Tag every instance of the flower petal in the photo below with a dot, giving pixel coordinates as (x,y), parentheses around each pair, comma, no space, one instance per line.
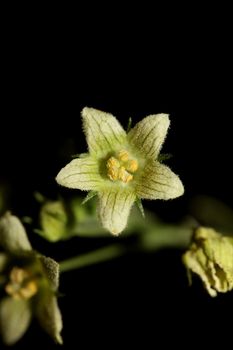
(13,236)
(103,131)
(196,262)
(149,134)
(80,173)
(114,209)
(49,316)
(159,182)
(15,317)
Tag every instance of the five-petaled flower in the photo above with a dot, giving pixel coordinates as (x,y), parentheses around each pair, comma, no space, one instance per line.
(121,167)
(28,285)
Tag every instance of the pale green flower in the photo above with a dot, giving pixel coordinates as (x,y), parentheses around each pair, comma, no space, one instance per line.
(121,167)
(28,285)
(211,258)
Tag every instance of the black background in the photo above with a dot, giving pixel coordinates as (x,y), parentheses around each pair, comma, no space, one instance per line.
(53,68)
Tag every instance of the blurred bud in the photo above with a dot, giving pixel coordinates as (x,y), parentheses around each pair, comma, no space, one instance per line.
(53,221)
(13,236)
(61,220)
(29,283)
(211,257)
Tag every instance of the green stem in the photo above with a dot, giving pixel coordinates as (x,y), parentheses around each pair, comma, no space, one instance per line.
(157,237)
(166,236)
(97,256)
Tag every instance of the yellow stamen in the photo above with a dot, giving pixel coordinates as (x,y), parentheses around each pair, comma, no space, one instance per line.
(132,165)
(124,175)
(113,173)
(123,156)
(29,290)
(120,168)
(22,285)
(112,162)
(121,173)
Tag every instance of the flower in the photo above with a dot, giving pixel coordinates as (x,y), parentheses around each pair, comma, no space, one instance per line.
(121,167)
(211,258)
(28,285)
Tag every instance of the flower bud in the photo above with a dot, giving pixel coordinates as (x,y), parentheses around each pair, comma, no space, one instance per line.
(211,257)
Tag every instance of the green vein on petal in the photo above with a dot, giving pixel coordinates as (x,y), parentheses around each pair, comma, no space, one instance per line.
(159,182)
(114,209)
(149,134)
(82,174)
(103,131)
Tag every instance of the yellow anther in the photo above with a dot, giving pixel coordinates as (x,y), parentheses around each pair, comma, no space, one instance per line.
(123,156)
(21,285)
(113,162)
(113,173)
(132,165)
(29,290)
(121,173)
(115,169)
(124,175)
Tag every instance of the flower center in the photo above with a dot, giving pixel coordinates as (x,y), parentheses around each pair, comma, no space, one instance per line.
(121,167)
(22,284)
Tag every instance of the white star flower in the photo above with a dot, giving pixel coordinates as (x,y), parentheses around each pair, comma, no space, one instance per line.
(121,167)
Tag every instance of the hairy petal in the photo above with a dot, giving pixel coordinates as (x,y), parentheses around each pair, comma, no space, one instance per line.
(210,256)
(103,131)
(114,209)
(149,134)
(80,173)
(219,250)
(13,236)
(49,316)
(197,264)
(159,182)
(15,317)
